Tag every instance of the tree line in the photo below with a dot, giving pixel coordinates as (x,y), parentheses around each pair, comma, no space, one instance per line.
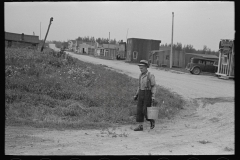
(99,40)
(190,49)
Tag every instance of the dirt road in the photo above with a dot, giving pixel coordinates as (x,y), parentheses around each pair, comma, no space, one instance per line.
(206,129)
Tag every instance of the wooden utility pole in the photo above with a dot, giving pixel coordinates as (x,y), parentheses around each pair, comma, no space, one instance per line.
(40,30)
(109,53)
(51,19)
(126,35)
(171,42)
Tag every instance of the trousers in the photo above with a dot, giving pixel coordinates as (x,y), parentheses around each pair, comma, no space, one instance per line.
(144,101)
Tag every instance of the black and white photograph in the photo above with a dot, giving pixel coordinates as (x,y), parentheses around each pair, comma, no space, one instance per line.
(143,78)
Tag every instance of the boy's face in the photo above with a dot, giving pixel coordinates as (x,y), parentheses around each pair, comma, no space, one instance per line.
(143,69)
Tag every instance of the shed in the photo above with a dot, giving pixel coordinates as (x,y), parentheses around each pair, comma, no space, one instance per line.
(162,57)
(122,50)
(110,50)
(138,49)
(21,39)
(87,48)
(226,62)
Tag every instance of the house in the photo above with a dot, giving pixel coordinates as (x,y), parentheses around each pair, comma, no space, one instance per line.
(72,45)
(122,52)
(179,58)
(99,50)
(226,58)
(86,47)
(21,40)
(107,50)
(138,49)
(110,50)
(162,57)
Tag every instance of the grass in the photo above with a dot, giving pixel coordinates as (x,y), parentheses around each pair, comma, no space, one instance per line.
(55,90)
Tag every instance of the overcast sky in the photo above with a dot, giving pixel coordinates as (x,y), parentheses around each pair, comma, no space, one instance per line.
(195,23)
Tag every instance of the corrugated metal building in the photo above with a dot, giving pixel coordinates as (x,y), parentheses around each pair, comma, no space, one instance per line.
(12,39)
(138,49)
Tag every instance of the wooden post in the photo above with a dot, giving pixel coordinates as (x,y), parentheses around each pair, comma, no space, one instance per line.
(51,19)
(219,61)
(40,30)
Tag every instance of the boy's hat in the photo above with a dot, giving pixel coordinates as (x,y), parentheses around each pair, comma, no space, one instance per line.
(143,63)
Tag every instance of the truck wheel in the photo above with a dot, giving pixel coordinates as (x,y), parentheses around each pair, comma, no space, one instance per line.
(196,70)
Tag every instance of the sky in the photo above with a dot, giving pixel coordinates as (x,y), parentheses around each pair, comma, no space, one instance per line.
(195,23)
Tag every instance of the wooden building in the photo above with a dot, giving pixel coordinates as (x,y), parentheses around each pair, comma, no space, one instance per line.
(180,59)
(138,49)
(86,47)
(122,50)
(21,40)
(162,58)
(226,62)
(108,50)
(72,45)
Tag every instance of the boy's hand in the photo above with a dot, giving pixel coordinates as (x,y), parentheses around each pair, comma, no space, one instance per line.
(135,97)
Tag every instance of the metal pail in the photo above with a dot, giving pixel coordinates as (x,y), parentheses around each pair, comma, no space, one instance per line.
(152,112)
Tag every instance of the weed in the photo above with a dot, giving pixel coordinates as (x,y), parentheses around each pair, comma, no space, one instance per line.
(41,89)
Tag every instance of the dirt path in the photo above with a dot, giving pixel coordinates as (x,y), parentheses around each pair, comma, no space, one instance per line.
(207,129)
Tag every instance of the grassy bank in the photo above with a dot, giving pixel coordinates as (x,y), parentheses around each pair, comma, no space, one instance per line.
(57,91)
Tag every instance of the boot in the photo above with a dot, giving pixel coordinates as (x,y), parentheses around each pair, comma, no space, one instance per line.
(152,124)
(139,128)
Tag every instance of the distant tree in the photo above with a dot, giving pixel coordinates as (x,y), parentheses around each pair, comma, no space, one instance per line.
(92,39)
(98,40)
(79,39)
(189,49)
(177,46)
(204,50)
(65,45)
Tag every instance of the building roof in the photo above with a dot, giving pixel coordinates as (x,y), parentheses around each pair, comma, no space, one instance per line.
(204,55)
(165,48)
(145,39)
(18,37)
(112,46)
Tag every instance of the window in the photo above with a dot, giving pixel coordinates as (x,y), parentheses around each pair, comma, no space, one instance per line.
(135,54)
(209,63)
(167,57)
(224,60)
(201,62)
